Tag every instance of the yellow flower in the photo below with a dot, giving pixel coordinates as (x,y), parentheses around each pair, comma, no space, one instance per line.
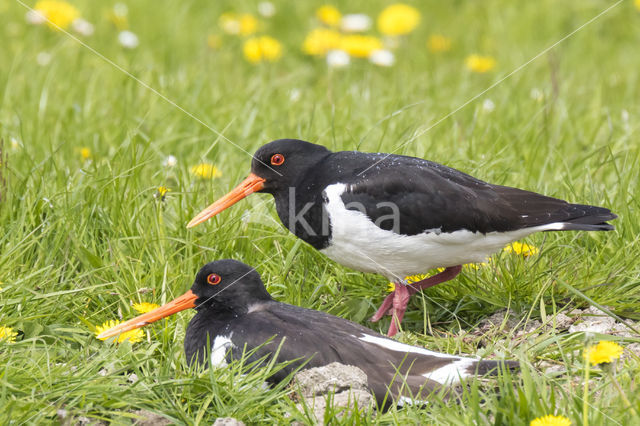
(214,41)
(329,15)
(244,24)
(321,40)
(205,171)
(85,153)
(551,420)
(7,334)
(161,192)
(478,63)
(637,3)
(522,248)
(360,46)
(144,307)
(398,19)
(248,24)
(263,48)
(477,266)
(132,336)
(438,43)
(604,351)
(391,287)
(59,14)
(415,278)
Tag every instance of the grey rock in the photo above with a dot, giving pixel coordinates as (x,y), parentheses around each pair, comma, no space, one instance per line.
(341,402)
(227,421)
(334,377)
(148,418)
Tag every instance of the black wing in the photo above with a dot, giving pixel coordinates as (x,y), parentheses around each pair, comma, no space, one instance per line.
(430,196)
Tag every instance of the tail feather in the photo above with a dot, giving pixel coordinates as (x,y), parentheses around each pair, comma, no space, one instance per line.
(487,367)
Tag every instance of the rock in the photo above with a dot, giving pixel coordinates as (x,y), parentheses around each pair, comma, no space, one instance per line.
(227,421)
(563,321)
(334,377)
(347,383)
(593,321)
(148,418)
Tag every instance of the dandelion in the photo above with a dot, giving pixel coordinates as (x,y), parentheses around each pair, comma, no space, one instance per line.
(244,24)
(161,192)
(488,105)
(480,64)
(329,15)
(383,58)
(214,41)
(294,95)
(551,420)
(398,19)
(145,307)
(637,3)
(477,266)
(15,144)
(205,171)
(360,46)
(128,39)
(523,249)
(263,48)
(266,9)
(355,23)
(82,27)
(170,161)
(338,59)
(321,40)
(248,24)
(603,352)
(118,16)
(58,14)
(438,43)
(85,153)
(391,287)
(7,334)
(43,58)
(132,336)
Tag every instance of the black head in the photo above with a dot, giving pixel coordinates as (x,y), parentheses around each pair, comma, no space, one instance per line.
(283,162)
(230,285)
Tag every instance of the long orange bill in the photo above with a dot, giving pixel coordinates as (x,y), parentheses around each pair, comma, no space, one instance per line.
(186,301)
(248,186)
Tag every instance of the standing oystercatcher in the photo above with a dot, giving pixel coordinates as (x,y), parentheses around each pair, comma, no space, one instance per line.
(397,215)
(235,313)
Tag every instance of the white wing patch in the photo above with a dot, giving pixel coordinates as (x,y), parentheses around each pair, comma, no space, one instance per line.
(393,345)
(219,351)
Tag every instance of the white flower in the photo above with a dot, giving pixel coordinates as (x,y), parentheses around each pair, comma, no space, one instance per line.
(170,161)
(355,22)
(120,9)
(43,58)
(536,94)
(383,58)
(14,143)
(128,39)
(35,17)
(294,95)
(488,105)
(338,59)
(82,27)
(624,114)
(266,9)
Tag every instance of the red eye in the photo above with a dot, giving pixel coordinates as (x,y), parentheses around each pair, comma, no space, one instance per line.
(214,279)
(277,159)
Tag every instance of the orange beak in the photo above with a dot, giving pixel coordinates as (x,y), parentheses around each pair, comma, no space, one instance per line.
(248,186)
(186,301)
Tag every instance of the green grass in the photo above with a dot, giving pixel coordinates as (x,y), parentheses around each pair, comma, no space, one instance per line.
(79,239)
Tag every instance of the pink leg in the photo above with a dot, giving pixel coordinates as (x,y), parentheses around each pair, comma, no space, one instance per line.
(395,304)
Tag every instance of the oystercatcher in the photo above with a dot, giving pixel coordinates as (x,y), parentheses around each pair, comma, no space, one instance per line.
(235,313)
(397,215)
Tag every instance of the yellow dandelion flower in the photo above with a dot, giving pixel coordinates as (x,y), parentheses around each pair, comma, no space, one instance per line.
(264,48)
(523,249)
(391,287)
(144,307)
(162,191)
(321,40)
(477,266)
(637,3)
(603,352)
(329,15)
(132,336)
(551,420)
(438,43)
(214,41)
(360,46)
(480,64)
(85,153)
(205,171)
(7,334)
(244,24)
(419,277)
(248,24)
(59,14)
(398,19)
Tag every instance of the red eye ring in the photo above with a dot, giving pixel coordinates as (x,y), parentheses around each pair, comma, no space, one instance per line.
(277,159)
(214,279)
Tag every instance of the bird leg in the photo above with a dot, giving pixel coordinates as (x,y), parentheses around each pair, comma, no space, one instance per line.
(395,304)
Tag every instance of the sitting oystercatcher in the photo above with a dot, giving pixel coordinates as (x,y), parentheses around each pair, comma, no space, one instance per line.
(235,312)
(397,215)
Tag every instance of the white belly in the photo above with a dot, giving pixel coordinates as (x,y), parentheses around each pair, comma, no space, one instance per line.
(358,243)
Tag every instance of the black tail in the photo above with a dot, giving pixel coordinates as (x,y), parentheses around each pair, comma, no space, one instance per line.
(484,367)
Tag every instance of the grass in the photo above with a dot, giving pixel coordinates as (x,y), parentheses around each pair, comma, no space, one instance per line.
(80,238)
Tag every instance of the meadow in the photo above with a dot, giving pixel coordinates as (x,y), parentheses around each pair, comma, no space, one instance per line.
(111,143)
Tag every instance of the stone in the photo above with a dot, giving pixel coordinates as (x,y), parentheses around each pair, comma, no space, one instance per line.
(227,421)
(334,377)
(148,418)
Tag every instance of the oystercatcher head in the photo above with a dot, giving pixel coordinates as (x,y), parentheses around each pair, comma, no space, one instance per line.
(236,313)
(397,215)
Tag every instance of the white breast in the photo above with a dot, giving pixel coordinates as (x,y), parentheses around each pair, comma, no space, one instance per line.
(219,351)
(358,243)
